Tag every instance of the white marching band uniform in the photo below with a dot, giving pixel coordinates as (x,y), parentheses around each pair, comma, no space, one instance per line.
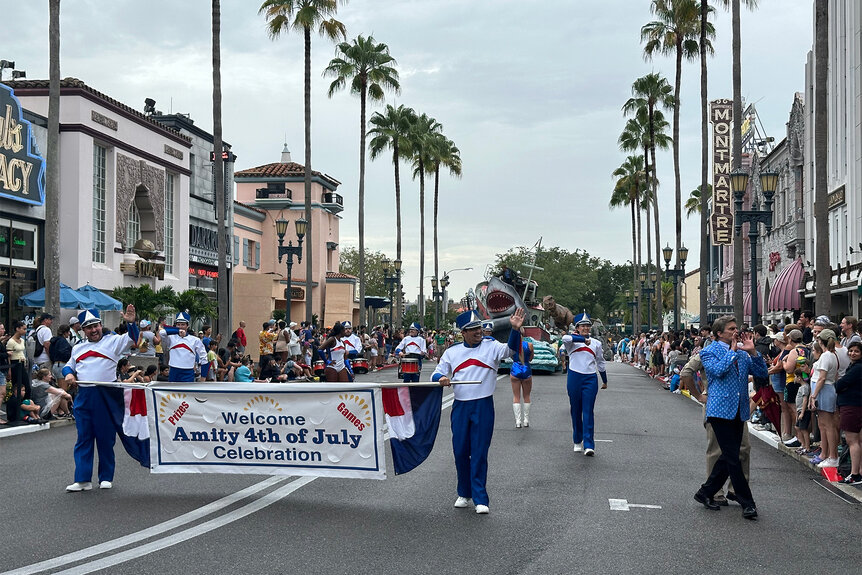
(582,384)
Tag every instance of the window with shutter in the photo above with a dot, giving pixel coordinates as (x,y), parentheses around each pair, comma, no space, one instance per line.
(256,255)
(245,252)
(235,250)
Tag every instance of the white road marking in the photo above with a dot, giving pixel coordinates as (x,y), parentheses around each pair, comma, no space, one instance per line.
(605,440)
(149,532)
(191,532)
(623,505)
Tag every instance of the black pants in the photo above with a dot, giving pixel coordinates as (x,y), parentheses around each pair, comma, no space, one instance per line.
(728,433)
(20,377)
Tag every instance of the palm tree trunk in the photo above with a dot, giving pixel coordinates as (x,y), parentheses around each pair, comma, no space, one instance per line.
(362,278)
(738,260)
(395,161)
(421,243)
(52,199)
(657,229)
(310,243)
(635,233)
(648,207)
(705,264)
(676,176)
(436,262)
(822,267)
(224,319)
(637,292)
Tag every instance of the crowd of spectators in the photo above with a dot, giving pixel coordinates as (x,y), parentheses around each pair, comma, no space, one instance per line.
(812,398)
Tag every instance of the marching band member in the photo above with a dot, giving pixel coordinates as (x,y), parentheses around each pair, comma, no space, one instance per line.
(186,349)
(585,359)
(352,342)
(476,359)
(412,346)
(99,409)
(333,346)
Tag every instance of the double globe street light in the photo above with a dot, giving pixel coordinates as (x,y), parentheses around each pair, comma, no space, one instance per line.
(648,290)
(290,250)
(677,273)
(438,297)
(754,217)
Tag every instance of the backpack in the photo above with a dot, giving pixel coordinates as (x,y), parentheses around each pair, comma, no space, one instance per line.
(34,346)
(60,349)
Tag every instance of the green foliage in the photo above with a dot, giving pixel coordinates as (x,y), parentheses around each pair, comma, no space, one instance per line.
(148,304)
(197,303)
(375,286)
(278,314)
(575,279)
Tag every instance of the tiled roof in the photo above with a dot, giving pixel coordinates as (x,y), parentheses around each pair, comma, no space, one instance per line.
(282,170)
(339,276)
(69,84)
(250,207)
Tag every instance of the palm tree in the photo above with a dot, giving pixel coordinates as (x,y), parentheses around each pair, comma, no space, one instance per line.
(368,67)
(392,130)
(224,319)
(282,15)
(445,154)
(52,200)
(631,181)
(675,32)
(650,92)
(694,203)
(422,138)
(822,269)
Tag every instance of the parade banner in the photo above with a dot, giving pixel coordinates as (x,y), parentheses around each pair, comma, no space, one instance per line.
(330,430)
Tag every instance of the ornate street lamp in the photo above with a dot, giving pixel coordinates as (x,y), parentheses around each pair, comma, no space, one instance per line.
(290,250)
(677,273)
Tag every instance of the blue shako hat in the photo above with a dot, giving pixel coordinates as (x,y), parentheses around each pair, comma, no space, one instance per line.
(487,326)
(415,325)
(183,317)
(468,320)
(347,325)
(89,317)
(583,319)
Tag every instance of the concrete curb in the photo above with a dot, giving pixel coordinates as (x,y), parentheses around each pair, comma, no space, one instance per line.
(11,431)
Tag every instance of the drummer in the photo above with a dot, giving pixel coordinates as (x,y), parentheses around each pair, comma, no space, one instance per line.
(337,369)
(413,346)
(352,342)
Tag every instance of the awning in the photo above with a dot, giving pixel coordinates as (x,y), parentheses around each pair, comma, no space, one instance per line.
(98,299)
(376,302)
(69,298)
(785,291)
(746,302)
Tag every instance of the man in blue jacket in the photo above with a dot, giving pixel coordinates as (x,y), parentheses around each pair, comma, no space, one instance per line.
(728,363)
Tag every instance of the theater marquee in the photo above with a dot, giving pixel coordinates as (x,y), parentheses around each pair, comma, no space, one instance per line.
(721,219)
(22,169)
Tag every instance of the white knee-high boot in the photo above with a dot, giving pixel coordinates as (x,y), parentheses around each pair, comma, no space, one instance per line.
(516,407)
(526,415)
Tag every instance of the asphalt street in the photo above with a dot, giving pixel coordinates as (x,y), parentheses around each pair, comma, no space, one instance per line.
(551,509)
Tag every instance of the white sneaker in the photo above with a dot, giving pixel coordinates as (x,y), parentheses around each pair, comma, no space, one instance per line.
(589,452)
(79,486)
(462,502)
(579,447)
(828,463)
(105,485)
(482,509)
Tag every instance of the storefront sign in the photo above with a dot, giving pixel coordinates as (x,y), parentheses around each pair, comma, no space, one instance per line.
(296,293)
(203,272)
(22,169)
(836,198)
(721,219)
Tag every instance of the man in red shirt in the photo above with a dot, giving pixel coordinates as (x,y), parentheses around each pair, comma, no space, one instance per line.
(239,337)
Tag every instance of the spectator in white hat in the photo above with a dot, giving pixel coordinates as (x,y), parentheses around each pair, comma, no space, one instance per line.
(77,334)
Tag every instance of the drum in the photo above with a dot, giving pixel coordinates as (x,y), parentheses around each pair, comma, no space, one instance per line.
(360,365)
(319,367)
(409,365)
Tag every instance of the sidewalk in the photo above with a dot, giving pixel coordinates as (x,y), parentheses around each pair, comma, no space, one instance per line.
(10,430)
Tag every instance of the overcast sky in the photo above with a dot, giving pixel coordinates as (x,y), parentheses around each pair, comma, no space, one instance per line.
(529,90)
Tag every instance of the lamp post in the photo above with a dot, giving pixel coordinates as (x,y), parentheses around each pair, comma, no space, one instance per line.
(290,250)
(632,302)
(648,290)
(392,282)
(677,273)
(445,300)
(754,217)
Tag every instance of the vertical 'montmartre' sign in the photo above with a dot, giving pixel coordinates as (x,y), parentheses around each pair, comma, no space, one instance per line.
(721,219)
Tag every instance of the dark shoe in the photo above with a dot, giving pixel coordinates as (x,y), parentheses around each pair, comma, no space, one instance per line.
(720,501)
(750,512)
(707,501)
(732,496)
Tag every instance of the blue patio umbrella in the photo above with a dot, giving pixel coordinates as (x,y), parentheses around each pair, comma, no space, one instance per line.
(69,299)
(99,299)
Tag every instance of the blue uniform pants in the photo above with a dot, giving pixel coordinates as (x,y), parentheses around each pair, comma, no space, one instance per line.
(582,389)
(472,428)
(98,419)
(179,374)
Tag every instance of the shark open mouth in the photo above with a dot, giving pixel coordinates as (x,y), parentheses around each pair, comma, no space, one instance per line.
(498,302)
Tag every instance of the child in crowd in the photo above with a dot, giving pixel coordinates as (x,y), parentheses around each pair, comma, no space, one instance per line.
(52,401)
(212,358)
(803,418)
(164,373)
(243,372)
